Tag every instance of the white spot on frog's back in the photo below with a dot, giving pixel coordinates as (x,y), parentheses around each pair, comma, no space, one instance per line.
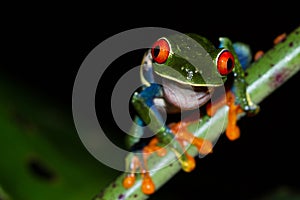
(189,73)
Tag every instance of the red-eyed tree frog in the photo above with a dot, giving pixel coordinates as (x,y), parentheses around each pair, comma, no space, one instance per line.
(179,73)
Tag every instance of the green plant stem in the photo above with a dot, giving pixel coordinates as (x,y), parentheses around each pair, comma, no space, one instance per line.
(264,76)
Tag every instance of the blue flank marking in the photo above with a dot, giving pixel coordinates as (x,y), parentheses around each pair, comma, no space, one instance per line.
(243,53)
(149,93)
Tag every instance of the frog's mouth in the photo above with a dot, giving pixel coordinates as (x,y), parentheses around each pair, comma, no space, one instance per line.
(186,97)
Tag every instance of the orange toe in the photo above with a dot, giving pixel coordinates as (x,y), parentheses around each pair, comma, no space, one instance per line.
(190,164)
(148,186)
(128,181)
(233,133)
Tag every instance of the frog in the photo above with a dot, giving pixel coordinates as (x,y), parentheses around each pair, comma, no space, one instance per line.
(179,73)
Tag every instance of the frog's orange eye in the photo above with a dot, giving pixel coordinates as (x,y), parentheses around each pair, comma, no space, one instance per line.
(160,51)
(225,62)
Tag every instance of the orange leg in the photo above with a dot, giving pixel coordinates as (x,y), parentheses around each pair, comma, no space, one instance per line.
(129,180)
(183,136)
(232,130)
(182,133)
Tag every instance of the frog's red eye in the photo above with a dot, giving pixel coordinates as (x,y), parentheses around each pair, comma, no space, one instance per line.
(160,51)
(225,62)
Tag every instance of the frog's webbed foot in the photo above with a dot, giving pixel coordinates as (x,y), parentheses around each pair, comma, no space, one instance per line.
(148,186)
(182,134)
(184,138)
(232,130)
(134,163)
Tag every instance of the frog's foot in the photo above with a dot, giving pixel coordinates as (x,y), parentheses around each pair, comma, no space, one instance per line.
(184,137)
(232,130)
(148,186)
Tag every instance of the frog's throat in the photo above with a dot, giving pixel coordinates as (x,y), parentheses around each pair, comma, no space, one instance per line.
(186,97)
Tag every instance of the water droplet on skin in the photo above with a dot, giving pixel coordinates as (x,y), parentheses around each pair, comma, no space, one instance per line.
(182,68)
(190,75)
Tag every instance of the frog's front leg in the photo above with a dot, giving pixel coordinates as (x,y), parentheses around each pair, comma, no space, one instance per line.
(146,110)
(238,99)
(240,85)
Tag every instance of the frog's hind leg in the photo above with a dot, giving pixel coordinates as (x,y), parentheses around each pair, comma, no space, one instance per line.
(185,138)
(136,163)
(135,133)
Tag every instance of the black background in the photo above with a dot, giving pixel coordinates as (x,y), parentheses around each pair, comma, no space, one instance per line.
(43,46)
